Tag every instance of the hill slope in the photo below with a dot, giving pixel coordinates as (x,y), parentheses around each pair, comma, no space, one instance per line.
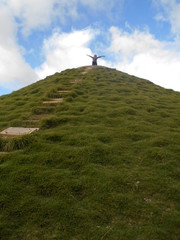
(104,164)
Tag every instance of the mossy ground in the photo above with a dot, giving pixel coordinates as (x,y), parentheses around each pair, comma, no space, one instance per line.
(104,164)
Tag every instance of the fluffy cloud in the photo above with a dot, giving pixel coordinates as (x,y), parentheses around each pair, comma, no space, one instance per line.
(31,14)
(130,44)
(140,54)
(171,13)
(40,14)
(14,71)
(66,50)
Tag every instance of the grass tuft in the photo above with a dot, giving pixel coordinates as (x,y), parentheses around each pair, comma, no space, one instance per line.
(16,143)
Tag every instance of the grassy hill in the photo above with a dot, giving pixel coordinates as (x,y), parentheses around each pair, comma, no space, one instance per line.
(103,166)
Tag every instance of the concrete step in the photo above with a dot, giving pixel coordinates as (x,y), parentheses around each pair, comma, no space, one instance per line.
(17,131)
(53,101)
(64,91)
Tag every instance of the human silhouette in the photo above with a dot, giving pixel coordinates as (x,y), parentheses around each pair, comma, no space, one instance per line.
(94,62)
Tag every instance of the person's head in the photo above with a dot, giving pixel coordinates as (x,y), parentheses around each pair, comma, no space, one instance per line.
(95,56)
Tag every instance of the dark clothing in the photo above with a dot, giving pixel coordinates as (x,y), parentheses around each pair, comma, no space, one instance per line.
(94,62)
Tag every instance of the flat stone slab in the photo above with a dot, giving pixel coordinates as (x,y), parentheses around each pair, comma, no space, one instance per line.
(63,91)
(53,101)
(17,131)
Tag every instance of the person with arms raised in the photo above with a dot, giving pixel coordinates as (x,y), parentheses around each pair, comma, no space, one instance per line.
(94,59)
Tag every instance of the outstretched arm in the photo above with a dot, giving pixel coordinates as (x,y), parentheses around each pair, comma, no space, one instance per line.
(100,57)
(89,56)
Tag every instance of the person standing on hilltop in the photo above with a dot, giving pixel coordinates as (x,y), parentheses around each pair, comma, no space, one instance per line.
(94,62)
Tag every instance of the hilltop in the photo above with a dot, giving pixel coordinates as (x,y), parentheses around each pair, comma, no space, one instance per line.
(104,164)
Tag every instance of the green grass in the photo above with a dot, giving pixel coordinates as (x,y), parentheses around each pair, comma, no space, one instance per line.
(104,164)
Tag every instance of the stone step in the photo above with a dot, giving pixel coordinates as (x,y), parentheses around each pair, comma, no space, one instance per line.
(64,91)
(17,131)
(53,101)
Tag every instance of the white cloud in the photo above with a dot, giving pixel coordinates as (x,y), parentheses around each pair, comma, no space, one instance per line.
(140,54)
(130,44)
(14,71)
(66,50)
(8,30)
(33,14)
(171,13)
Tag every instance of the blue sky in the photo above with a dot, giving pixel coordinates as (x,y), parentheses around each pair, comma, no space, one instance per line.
(39,38)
